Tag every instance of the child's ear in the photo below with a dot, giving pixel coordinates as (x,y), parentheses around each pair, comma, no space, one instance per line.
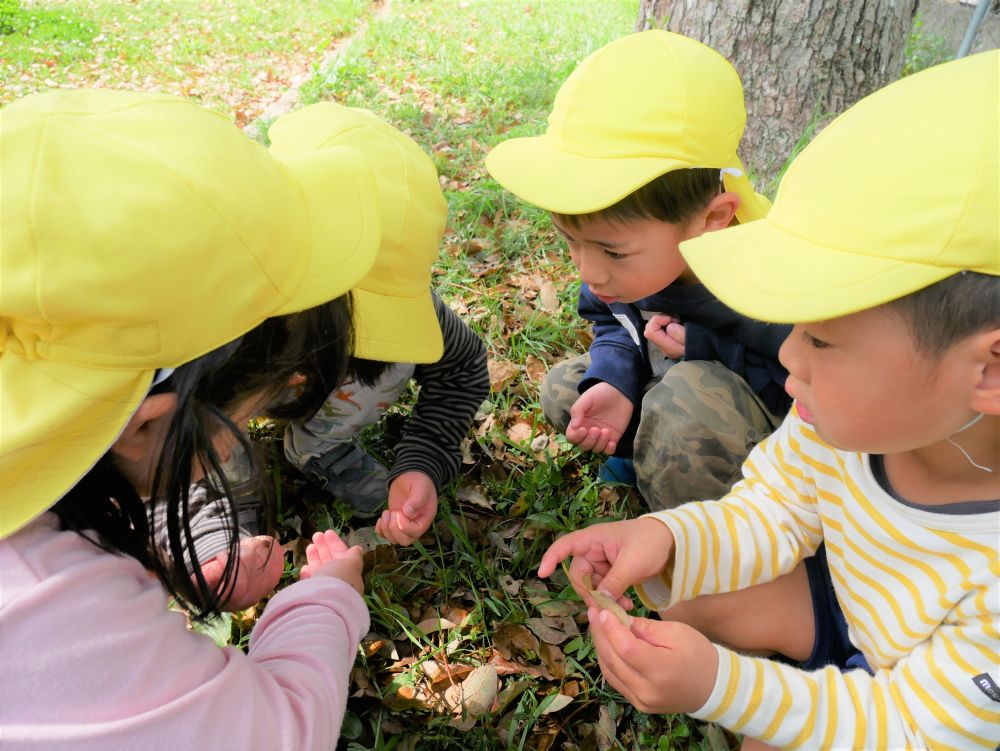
(986,395)
(144,432)
(720,212)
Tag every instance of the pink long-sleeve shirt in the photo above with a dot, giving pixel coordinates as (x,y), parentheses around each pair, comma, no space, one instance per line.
(90,658)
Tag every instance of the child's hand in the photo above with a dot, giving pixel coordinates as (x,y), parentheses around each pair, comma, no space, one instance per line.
(667,333)
(661,667)
(328,555)
(413,505)
(615,555)
(260,569)
(598,418)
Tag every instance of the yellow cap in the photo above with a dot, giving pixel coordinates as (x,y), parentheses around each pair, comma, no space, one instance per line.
(394,313)
(641,106)
(899,192)
(140,231)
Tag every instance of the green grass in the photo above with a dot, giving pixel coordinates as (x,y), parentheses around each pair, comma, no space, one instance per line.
(227,54)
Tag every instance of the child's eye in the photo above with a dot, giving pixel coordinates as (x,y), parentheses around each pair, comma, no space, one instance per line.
(615,256)
(814,342)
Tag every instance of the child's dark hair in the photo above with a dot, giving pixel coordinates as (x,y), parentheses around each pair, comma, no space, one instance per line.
(366,372)
(106,509)
(674,197)
(944,313)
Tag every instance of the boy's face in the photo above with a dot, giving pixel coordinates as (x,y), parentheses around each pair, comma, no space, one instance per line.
(862,384)
(626,261)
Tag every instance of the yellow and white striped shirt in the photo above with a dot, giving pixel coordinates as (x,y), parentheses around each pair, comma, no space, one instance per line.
(920,591)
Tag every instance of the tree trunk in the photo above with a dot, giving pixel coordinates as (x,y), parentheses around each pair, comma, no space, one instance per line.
(801,61)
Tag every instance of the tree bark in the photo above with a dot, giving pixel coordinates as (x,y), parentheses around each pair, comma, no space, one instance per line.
(801,61)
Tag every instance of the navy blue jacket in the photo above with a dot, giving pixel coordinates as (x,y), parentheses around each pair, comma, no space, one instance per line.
(712,331)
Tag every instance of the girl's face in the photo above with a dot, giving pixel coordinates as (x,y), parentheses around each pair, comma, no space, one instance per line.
(137,450)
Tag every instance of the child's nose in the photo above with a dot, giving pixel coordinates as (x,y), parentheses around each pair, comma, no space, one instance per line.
(790,355)
(591,269)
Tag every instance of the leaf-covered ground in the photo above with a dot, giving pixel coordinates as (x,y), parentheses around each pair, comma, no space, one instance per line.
(468,648)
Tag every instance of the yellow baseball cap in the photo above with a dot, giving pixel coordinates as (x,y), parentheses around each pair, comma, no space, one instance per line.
(615,127)
(901,191)
(139,232)
(394,313)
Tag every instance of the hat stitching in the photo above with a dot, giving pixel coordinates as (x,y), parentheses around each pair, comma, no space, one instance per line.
(968,199)
(31,221)
(208,204)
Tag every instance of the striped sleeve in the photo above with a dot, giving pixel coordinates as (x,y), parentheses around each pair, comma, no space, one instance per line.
(934,698)
(451,391)
(761,530)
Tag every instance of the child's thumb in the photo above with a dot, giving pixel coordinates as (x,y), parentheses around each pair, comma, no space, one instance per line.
(652,632)
(622,575)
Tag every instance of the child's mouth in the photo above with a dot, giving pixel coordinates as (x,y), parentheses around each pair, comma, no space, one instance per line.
(804,414)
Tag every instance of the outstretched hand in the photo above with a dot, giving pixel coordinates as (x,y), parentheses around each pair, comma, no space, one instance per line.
(598,418)
(661,667)
(328,555)
(667,333)
(614,555)
(413,503)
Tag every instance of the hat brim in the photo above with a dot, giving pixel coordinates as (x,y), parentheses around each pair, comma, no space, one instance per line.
(565,183)
(767,273)
(396,329)
(90,408)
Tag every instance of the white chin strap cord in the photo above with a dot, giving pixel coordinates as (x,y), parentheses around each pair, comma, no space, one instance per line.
(965,453)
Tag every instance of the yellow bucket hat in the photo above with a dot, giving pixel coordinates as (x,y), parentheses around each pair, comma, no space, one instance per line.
(394,313)
(899,192)
(641,106)
(140,231)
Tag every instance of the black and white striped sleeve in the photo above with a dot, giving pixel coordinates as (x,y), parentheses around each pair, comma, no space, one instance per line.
(451,391)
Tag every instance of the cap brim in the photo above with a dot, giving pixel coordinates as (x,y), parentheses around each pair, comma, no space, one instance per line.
(564,183)
(89,407)
(558,181)
(396,329)
(769,274)
(338,190)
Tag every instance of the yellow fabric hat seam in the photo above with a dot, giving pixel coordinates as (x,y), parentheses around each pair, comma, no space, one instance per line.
(965,205)
(207,204)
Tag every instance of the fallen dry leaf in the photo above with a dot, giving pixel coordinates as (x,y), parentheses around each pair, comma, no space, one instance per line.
(521,431)
(535,369)
(513,640)
(605,602)
(502,372)
(560,702)
(554,630)
(474,494)
(475,695)
(549,297)
(554,659)
(431,625)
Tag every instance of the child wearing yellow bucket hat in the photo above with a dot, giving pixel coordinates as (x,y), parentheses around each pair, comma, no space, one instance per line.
(403,333)
(639,155)
(863,540)
(121,215)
